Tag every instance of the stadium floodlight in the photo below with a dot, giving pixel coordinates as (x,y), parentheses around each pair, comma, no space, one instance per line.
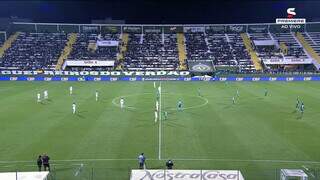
(293,174)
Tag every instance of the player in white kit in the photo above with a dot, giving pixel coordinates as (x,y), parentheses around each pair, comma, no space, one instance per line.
(97,95)
(155,115)
(45,94)
(70,90)
(74,108)
(38,97)
(121,103)
(157,105)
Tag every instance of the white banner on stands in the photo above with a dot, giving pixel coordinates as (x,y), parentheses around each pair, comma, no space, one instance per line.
(88,63)
(287,60)
(107,43)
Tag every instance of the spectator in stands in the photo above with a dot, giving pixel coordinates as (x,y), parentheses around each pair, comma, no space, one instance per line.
(169,164)
(45,161)
(39,162)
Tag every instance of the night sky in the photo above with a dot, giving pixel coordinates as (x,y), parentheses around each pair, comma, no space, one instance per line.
(160,11)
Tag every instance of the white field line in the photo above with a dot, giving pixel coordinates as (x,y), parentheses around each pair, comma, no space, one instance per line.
(176,159)
(160,104)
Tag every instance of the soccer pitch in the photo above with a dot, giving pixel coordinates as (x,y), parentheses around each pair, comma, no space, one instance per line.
(258,134)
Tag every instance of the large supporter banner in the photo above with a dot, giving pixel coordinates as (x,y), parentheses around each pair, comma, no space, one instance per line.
(97,73)
(107,43)
(200,66)
(161,174)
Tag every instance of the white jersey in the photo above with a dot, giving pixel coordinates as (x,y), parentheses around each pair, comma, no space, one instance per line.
(70,89)
(97,96)
(121,102)
(155,116)
(38,97)
(157,105)
(74,108)
(45,94)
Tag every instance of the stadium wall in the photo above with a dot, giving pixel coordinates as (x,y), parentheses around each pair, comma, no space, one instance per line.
(169,28)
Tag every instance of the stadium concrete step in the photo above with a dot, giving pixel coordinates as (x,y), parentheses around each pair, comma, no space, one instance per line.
(8,43)
(309,49)
(123,49)
(182,51)
(253,54)
(67,50)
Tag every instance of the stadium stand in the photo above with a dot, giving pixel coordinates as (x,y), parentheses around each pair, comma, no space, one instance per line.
(237,47)
(32,51)
(146,52)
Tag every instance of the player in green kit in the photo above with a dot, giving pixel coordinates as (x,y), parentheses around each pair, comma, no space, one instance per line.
(265,92)
(302,107)
(297,103)
(199,92)
(165,115)
(179,105)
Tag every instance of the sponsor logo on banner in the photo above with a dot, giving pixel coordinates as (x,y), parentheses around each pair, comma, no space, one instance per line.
(222,79)
(273,78)
(132,79)
(30,79)
(193,29)
(47,79)
(239,79)
(187,79)
(97,79)
(113,79)
(235,28)
(307,78)
(64,79)
(186,174)
(13,78)
(256,79)
(289,78)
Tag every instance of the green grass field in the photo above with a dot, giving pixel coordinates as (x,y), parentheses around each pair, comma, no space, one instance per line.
(258,135)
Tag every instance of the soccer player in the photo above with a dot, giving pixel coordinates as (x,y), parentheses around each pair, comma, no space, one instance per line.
(154,84)
(70,90)
(142,161)
(302,107)
(199,92)
(179,106)
(45,94)
(165,115)
(121,103)
(97,95)
(157,105)
(74,106)
(238,93)
(265,92)
(233,100)
(297,103)
(155,115)
(38,97)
